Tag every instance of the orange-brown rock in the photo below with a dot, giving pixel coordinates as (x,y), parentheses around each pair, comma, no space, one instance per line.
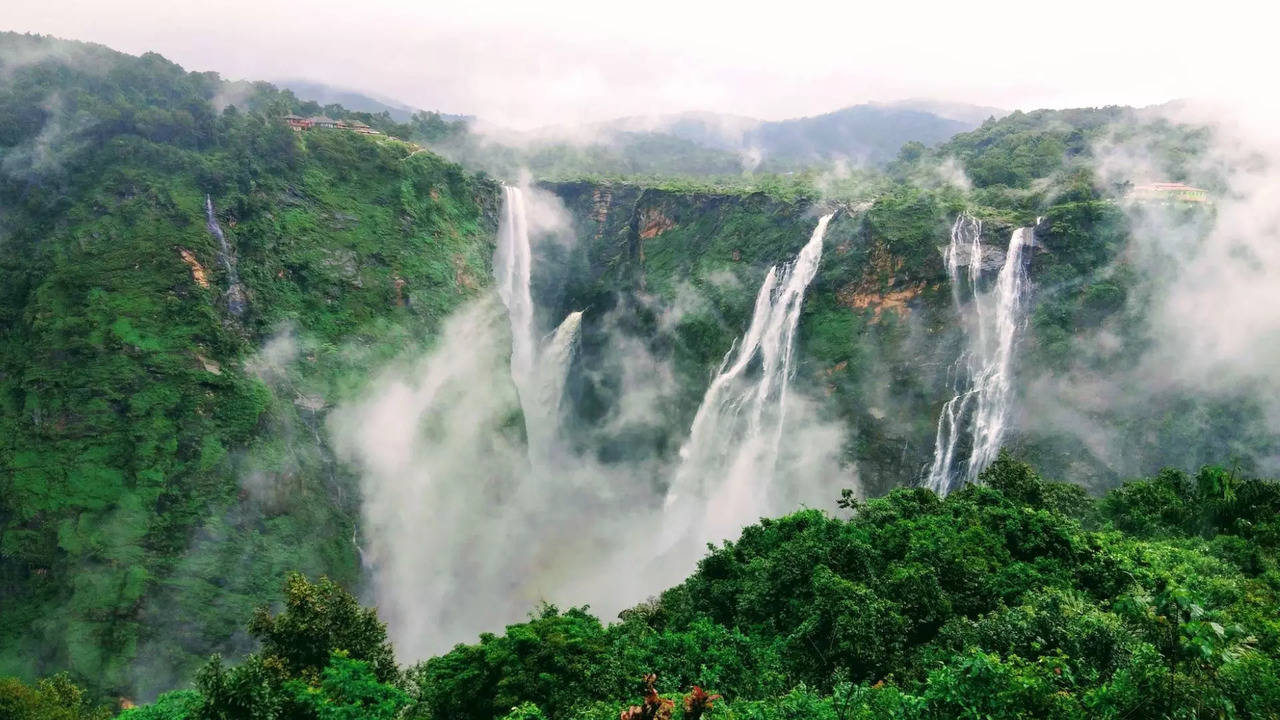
(896,300)
(653,223)
(197,270)
(878,290)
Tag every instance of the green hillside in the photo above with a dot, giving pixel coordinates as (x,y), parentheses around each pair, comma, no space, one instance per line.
(188,287)
(1017,598)
(161,466)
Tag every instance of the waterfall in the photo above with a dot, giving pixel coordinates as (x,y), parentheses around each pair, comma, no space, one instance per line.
(729,460)
(539,373)
(513,264)
(982,375)
(234,296)
(542,410)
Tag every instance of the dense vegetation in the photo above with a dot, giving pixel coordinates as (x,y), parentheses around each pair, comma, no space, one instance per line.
(161,398)
(676,263)
(1017,597)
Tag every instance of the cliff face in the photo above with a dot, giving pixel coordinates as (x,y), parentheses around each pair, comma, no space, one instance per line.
(880,336)
(679,272)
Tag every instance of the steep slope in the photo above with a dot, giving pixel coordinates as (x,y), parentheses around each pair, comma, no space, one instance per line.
(183,293)
(882,331)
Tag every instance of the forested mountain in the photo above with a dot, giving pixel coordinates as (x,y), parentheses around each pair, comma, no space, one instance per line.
(859,134)
(231,351)
(147,367)
(706,144)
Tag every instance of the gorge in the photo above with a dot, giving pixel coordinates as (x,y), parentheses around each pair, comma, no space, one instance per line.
(890,437)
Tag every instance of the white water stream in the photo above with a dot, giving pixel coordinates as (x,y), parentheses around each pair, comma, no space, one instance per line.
(983,374)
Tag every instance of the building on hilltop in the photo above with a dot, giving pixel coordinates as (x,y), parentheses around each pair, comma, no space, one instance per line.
(1168,192)
(299,123)
(323,123)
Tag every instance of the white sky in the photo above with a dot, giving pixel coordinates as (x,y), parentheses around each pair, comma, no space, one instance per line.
(536,62)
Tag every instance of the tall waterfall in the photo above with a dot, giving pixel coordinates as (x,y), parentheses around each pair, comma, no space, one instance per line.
(982,376)
(512,264)
(539,373)
(729,460)
(235,296)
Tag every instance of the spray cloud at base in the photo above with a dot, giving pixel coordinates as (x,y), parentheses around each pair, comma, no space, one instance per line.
(472,517)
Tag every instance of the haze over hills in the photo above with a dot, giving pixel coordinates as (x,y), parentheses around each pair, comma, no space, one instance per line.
(707,143)
(348,98)
(866,134)
(356,100)
(809,426)
(697,142)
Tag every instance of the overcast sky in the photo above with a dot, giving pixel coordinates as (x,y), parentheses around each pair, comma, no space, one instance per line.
(530,63)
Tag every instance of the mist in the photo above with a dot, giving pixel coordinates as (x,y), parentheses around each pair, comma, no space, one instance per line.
(469,522)
(1199,336)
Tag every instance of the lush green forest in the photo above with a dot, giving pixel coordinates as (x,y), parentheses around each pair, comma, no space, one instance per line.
(187,287)
(138,390)
(1017,597)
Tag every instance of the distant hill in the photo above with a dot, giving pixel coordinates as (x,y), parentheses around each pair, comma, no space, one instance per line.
(354,100)
(862,133)
(973,115)
(869,133)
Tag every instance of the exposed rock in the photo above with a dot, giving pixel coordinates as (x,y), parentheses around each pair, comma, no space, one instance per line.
(197,270)
(878,302)
(346,263)
(314,403)
(876,290)
(653,223)
(990,257)
(210,366)
(601,199)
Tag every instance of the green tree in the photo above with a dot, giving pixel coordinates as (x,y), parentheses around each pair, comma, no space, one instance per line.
(348,690)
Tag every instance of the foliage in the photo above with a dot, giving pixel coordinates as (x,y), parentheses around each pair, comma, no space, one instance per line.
(321,658)
(348,690)
(1012,598)
(158,472)
(53,698)
(161,465)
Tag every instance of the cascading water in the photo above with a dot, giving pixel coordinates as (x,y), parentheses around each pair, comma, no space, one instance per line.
(979,411)
(455,508)
(235,296)
(539,373)
(554,361)
(728,462)
(513,264)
